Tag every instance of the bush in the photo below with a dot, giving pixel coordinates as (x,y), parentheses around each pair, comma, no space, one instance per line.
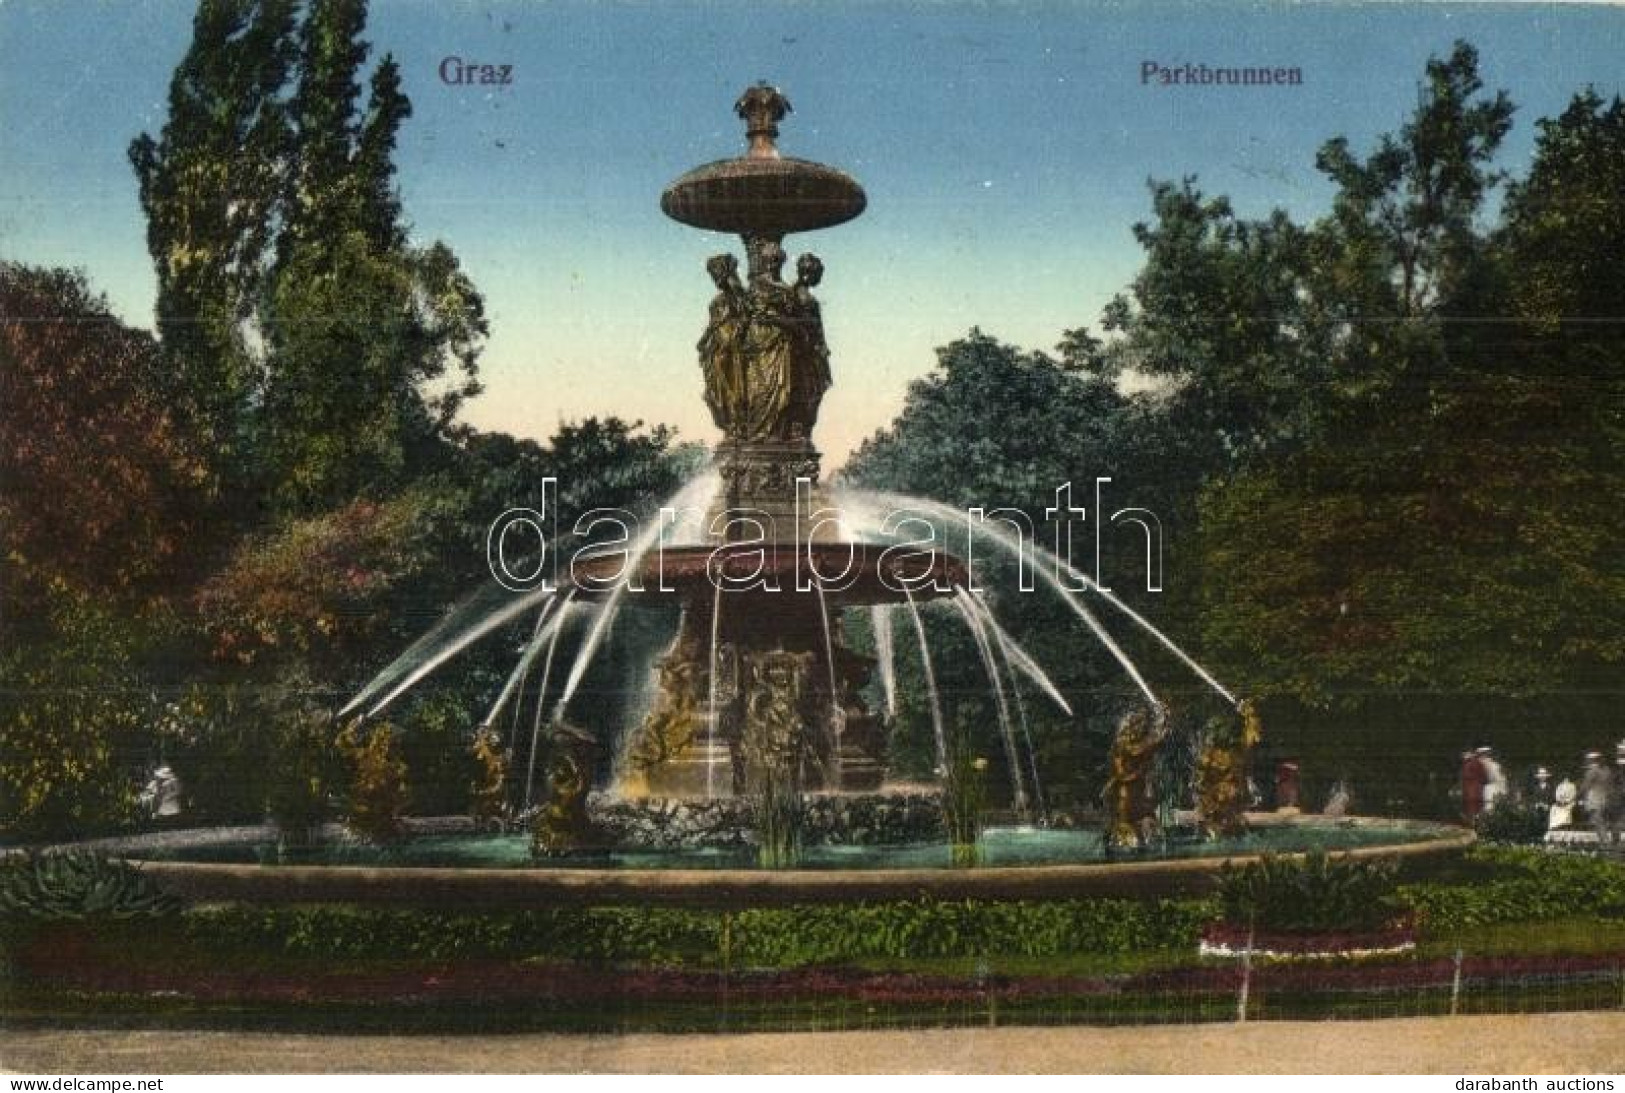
(305,772)
(1313,894)
(314,593)
(435,742)
(220,741)
(767,937)
(1512,822)
(646,935)
(787,937)
(78,885)
(378,791)
(1538,886)
(75,713)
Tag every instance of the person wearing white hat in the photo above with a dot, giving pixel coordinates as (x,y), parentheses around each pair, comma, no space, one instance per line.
(1540,786)
(1537,795)
(161,797)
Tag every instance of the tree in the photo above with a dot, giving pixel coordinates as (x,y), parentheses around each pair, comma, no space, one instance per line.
(76,712)
(303,331)
(597,463)
(100,486)
(100,494)
(211,186)
(380,206)
(1271,333)
(1565,225)
(994,426)
(319,592)
(359,323)
(981,428)
(335,596)
(356,338)
(1218,312)
(1464,539)
(1386,446)
(1415,199)
(324,188)
(1457,537)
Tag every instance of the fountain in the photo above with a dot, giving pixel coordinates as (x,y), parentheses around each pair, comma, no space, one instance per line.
(758,689)
(758,701)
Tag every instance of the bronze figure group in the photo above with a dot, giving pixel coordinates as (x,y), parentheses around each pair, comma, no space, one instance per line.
(763,353)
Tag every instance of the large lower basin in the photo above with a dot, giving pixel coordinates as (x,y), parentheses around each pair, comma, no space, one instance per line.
(496,870)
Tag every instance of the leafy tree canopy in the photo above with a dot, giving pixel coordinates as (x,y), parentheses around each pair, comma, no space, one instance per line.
(100,486)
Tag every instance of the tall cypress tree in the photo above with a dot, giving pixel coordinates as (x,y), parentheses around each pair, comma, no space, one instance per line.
(300,326)
(378,210)
(343,169)
(359,321)
(211,185)
(331,55)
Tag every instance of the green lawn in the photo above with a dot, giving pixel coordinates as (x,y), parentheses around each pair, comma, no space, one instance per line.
(1580,936)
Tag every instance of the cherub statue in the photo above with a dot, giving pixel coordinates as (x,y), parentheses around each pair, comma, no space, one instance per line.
(1222,794)
(1131,804)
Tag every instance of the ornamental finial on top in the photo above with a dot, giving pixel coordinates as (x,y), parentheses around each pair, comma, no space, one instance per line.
(762,107)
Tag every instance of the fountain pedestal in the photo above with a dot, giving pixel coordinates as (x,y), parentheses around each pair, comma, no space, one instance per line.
(703,768)
(758,689)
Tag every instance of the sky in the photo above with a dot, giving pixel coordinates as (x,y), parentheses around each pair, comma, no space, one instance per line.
(1005,149)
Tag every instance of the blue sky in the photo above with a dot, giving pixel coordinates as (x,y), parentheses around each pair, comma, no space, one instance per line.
(1005,149)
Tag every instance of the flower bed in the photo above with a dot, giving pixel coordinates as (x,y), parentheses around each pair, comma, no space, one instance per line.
(1228,941)
(85,970)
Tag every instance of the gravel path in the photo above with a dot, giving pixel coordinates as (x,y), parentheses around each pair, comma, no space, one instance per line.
(1568,1043)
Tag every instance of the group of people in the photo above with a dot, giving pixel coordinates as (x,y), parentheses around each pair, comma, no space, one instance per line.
(1600,795)
(1597,799)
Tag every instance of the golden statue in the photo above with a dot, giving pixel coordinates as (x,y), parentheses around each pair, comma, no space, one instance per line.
(778,696)
(488,796)
(763,354)
(812,378)
(1252,724)
(675,722)
(1221,773)
(561,825)
(721,357)
(1131,802)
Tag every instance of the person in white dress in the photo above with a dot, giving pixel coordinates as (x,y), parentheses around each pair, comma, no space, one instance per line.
(1561,817)
(1597,789)
(1495,779)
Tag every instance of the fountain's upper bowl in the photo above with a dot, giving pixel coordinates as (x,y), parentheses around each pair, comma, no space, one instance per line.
(764,196)
(849,572)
